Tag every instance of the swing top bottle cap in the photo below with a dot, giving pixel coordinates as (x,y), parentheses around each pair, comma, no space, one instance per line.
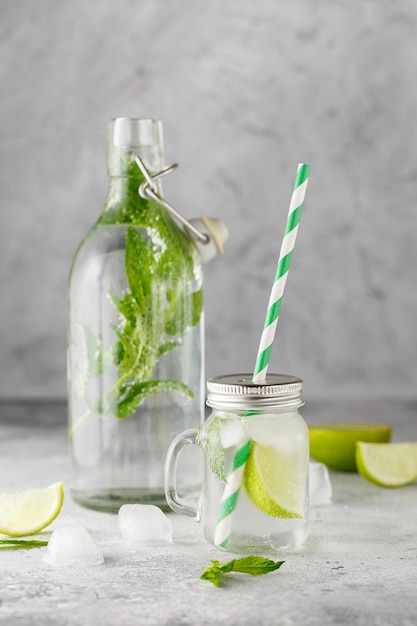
(217,233)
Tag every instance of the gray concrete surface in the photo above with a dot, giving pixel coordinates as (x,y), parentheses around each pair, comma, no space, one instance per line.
(245,90)
(358,567)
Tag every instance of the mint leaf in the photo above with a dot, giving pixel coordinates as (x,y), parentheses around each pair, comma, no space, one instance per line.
(18,544)
(135,393)
(180,317)
(94,360)
(253,565)
(138,263)
(216,569)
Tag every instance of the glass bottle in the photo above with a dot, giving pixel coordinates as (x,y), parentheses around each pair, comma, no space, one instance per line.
(135,335)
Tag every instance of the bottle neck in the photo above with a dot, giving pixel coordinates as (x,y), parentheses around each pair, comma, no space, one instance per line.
(121,162)
(127,138)
(124,204)
(142,137)
(125,173)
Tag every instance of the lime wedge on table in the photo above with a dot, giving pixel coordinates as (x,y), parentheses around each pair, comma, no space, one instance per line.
(273,482)
(334,444)
(27,512)
(387,464)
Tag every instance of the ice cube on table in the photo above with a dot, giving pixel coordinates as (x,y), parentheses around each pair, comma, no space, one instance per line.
(320,485)
(144,524)
(72,546)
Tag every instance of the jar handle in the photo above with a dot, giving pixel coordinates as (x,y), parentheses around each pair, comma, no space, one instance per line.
(178,504)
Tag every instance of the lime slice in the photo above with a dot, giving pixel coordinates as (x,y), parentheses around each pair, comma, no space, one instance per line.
(334,444)
(274,482)
(27,512)
(387,464)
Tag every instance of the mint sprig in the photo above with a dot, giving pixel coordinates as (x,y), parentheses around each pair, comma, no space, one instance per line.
(253,565)
(157,307)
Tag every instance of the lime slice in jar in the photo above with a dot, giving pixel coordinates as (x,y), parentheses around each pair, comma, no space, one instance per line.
(275,482)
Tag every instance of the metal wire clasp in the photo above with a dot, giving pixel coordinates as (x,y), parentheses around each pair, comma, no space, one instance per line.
(148,190)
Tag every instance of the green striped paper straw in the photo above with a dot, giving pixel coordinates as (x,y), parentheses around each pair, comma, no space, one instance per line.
(281,275)
(235,474)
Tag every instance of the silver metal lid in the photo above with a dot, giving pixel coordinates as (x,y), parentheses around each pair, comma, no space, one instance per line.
(239,392)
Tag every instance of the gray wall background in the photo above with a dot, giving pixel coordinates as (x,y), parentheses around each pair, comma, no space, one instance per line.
(246,90)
